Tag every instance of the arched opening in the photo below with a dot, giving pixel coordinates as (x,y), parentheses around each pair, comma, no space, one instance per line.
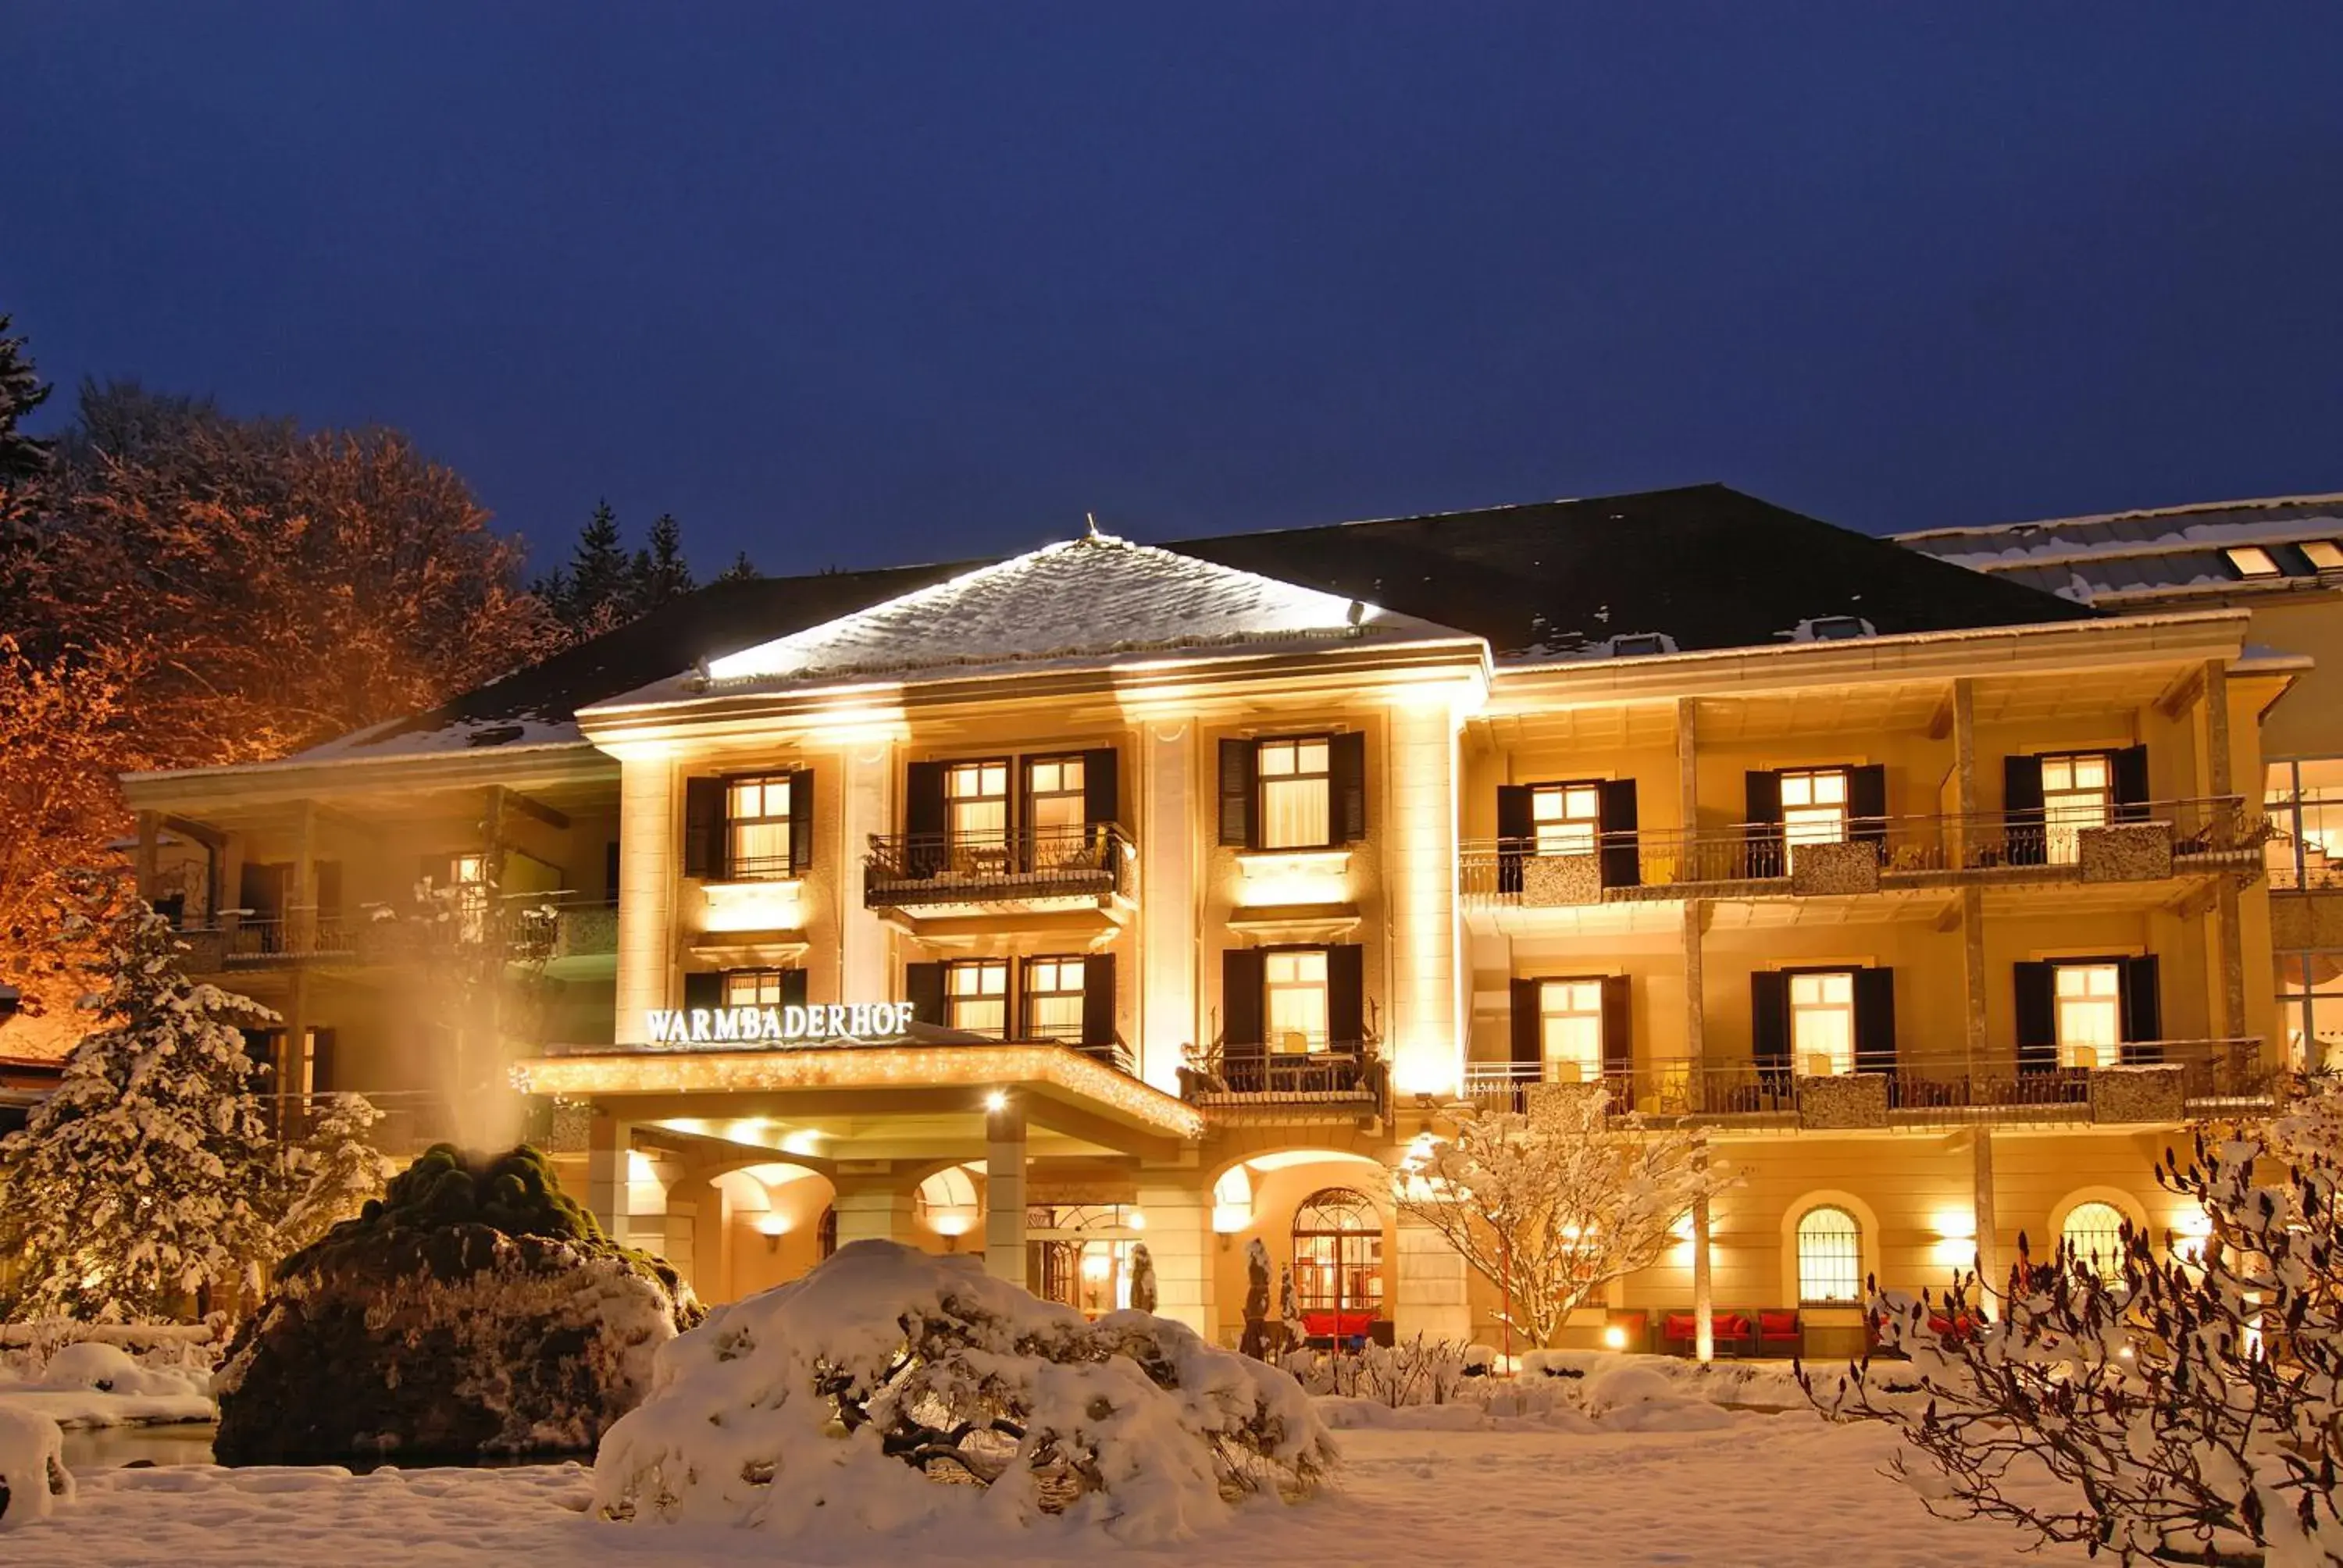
(2093,1233)
(1830,1257)
(1084,1258)
(945,1204)
(1338,1259)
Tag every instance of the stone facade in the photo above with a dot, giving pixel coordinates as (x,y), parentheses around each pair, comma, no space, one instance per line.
(1551,879)
(1844,1101)
(2138,1094)
(1849,867)
(2125,852)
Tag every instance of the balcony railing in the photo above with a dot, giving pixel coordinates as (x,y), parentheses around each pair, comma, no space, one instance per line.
(2199,1077)
(1659,863)
(909,870)
(278,938)
(412,1120)
(1350,1074)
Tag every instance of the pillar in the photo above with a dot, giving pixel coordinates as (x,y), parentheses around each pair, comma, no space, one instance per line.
(1432,1298)
(648,836)
(301,897)
(863,809)
(1004,1193)
(871,1203)
(1180,1244)
(1703,1288)
(1687,766)
(1988,1213)
(1167,900)
(1964,770)
(230,893)
(1976,1045)
(1696,1043)
(609,1177)
(2230,999)
(1428,1002)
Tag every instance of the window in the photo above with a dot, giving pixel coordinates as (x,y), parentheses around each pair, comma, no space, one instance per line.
(2077,793)
(1293,983)
(1053,795)
(2311,1003)
(468,879)
(2324,553)
(752,988)
(1053,999)
(1566,818)
(1822,1022)
(976,996)
(2094,1233)
(1837,627)
(976,800)
(2304,802)
(2089,1000)
(2251,561)
(1830,1257)
(757,825)
(1570,1029)
(1296,794)
(1813,805)
(1338,1255)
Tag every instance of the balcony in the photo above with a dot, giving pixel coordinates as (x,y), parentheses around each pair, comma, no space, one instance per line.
(1350,1078)
(2149,843)
(2157,1082)
(1086,865)
(272,942)
(411,1120)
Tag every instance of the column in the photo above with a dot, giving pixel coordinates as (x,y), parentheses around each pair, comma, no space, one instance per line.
(1167,900)
(1977,1047)
(648,834)
(1426,1042)
(864,805)
(871,1203)
(1180,1244)
(1704,1289)
(1988,1235)
(609,1156)
(1004,1193)
(1695,1044)
(2230,1000)
(229,895)
(1964,770)
(1433,1298)
(301,896)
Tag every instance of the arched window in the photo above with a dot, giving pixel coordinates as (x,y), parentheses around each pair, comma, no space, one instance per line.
(1338,1253)
(1830,1256)
(2094,1233)
(828,1231)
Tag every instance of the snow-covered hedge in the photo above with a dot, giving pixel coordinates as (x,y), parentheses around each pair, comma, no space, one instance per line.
(33,1475)
(850,1399)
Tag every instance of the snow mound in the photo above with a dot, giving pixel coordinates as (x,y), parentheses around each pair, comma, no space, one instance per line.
(106,1369)
(1640,1399)
(841,1401)
(33,1475)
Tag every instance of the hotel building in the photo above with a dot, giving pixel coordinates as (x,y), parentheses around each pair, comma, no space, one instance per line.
(1115,894)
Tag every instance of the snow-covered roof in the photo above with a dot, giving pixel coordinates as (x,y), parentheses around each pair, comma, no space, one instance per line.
(1087,602)
(435,733)
(2119,556)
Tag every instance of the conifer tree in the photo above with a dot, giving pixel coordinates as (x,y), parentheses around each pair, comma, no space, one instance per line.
(333,1172)
(21,458)
(661,573)
(150,1175)
(741,570)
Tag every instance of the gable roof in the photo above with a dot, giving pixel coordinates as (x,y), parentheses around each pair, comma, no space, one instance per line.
(1706,564)
(2166,553)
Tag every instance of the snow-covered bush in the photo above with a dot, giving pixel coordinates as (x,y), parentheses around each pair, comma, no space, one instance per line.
(1415,1371)
(107,1369)
(33,1475)
(847,1397)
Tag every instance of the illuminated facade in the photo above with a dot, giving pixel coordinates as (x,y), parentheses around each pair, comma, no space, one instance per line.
(1210,875)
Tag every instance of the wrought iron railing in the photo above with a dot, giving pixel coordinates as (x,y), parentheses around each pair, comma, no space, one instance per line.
(410,1120)
(909,869)
(295,936)
(1238,1076)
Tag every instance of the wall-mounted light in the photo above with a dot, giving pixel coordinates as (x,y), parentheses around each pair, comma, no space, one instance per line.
(772,1227)
(1615,1337)
(997,1100)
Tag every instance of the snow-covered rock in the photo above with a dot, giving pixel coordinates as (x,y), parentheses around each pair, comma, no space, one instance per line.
(33,1475)
(845,1403)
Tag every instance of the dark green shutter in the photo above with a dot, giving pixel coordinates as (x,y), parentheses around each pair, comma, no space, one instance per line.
(1098,998)
(2025,837)
(1516,833)
(321,1061)
(703,828)
(1619,1034)
(1101,787)
(1347,757)
(704,988)
(1762,813)
(1529,1049)
(1769,1021)
(2038,1017)
(610,874)
(1621,866)
(793,988)
(2128,782)
(1875,1021)
(2143,1010)
(1241,1001)
(923,988)
(1239,786)
(923,819)
(1866,803)
(801,821)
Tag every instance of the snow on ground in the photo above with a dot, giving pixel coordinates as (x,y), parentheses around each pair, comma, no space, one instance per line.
(94,1384)
(1759,1491)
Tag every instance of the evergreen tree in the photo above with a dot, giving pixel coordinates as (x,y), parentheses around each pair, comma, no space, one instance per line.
(599,573)
(333,1172)
(661,574)
(741,570)
(21,458)
(150,1175)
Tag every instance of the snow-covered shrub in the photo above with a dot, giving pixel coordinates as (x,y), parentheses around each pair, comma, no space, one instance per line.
(1415,1371)
(33,1475)
(847,1397)
(107,1369)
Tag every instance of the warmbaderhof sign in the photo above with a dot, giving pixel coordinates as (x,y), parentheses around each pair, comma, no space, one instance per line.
(792,1025)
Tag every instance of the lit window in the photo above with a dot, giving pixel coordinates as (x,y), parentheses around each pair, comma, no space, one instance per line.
(976,797)
(756,816)
(2076,795)
(1822,1022)
(1570,1028)
(1054,800)
(976,996)
(2304,800)
(1053,999)
(2094,1235)
(2324,553)
(2251,561)
(752,988)
(1294,986)
(1566,818)
(1296,794)
(2310,1000)
(1830,1257)
(468,879)
(1338,1255)
(2090,1014)
(1813,805)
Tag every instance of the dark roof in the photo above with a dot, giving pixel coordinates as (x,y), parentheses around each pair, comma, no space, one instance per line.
(1707,565)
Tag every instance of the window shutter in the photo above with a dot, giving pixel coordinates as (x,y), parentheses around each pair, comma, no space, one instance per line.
(1866,803)
(1097,997)
(1622,868)
(2127,776)
(1875,1021)
(1769,1021)
(2027,843)
(610,874)
(321,1061)
(2038,1017)
(703,828)
(1242,1035)
(923,819)
(329,887)
(703,988)
(1762,810)
(1529,1050)
(801,821)
(1619,1032)
(2143,1010)
(1517,827)
(1101,787)
(923,988)
(1347,757)
(793,988)
(1239,787)
(1346,996)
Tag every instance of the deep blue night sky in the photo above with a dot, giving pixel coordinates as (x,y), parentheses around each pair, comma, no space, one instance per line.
(852,284)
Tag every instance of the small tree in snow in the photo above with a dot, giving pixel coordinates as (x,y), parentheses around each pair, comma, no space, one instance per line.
(2192,1399)
(1552,1208)
(330,1173)
(150,1175)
